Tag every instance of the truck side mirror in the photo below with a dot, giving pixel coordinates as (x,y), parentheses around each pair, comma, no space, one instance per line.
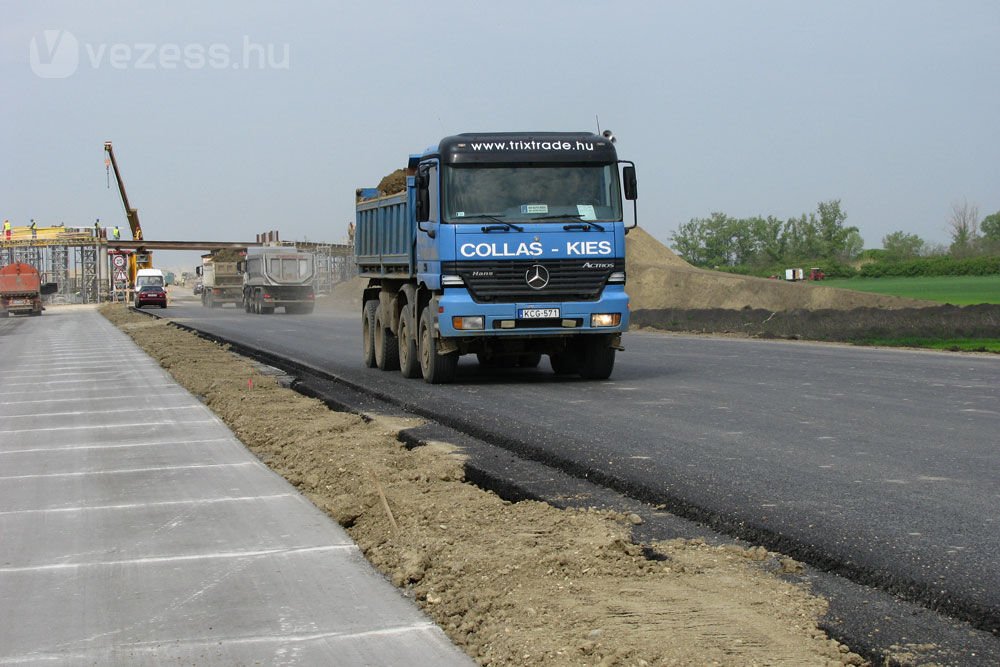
(197,270)
(422,200)
(628,177)
(423,197)
(240,267)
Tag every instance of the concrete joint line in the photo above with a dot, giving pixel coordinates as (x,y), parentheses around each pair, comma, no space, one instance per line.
(260,553)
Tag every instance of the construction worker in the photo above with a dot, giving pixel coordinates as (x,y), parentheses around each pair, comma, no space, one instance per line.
(6,229)
(116,234)
(34,230)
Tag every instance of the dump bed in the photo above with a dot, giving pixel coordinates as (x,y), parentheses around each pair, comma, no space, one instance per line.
(383,237)
(19,279)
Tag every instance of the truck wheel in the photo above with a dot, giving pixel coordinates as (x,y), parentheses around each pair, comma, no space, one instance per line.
(386,347)
(564,363)
(409,360)
(598,358)
(437,368)
(367,328)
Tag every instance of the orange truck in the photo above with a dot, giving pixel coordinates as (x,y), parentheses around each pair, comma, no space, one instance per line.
(21,290)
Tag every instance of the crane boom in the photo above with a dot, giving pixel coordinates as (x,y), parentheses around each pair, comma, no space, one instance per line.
(131,213)
(141,258)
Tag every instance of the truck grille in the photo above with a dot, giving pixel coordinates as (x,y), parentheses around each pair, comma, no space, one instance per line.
(507,282)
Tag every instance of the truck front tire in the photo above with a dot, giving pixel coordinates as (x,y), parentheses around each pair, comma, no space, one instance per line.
(437,368)
(598,358)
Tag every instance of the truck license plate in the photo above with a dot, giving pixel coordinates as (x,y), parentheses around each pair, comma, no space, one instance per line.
(19,302)
(537,313)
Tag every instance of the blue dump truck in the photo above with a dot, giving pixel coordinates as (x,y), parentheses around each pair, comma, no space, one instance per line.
(508,246)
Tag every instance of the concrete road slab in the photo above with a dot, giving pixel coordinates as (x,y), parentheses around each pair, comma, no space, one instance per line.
(137,530)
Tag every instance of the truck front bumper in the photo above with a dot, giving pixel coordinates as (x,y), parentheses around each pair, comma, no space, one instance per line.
(458,315)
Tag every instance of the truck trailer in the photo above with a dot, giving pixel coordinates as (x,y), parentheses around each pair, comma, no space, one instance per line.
(221,282)
(21,290)
(508,246)
(278,277)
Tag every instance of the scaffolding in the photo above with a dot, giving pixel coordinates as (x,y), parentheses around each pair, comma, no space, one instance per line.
(67,256)
(334,263)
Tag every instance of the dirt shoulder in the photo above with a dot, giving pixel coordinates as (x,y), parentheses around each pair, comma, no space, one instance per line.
(511,583)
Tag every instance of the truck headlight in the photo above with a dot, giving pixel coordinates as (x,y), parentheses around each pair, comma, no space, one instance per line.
(467,322)
(605,319)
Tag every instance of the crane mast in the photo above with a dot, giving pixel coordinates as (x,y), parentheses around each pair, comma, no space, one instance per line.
(142,258)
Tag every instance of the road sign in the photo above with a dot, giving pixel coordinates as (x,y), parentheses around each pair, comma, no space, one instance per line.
(119,260)
(120,276)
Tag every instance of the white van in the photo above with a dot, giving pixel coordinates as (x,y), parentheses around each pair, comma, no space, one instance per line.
(149,277)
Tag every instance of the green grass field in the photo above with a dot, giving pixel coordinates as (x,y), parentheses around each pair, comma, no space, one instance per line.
(956,290)
(951,345)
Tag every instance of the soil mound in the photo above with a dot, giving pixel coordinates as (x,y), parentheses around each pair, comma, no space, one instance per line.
(393,183)
(659,279)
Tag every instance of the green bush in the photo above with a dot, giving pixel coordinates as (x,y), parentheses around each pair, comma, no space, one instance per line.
(933,266)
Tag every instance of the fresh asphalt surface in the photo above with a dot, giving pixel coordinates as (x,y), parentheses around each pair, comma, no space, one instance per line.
(877,464)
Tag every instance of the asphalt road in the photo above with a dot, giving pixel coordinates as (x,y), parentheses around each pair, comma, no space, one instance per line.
(881,465)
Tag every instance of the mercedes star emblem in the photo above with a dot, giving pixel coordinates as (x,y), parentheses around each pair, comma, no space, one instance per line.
(537,277)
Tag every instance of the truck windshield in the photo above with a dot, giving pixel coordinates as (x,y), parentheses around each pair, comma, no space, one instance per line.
(531,192)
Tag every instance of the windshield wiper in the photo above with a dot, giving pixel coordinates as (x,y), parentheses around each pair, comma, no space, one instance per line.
(559,215)
(503,226)
(583,225)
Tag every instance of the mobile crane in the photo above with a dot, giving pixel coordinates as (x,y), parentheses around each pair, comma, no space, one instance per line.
(141,258)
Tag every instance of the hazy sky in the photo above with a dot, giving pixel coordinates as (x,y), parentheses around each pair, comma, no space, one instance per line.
(231,118)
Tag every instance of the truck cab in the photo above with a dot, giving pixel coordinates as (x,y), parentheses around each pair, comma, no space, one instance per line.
(510,245)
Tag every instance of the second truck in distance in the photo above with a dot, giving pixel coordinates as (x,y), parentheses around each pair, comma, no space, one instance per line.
(508,246)
(278,277)
(221,282)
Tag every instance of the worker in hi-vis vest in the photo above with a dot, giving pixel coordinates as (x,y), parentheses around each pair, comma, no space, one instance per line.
(6,229)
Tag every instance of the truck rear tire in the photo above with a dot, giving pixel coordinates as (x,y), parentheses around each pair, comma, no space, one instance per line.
(437,368)
(598,358)
(367,329)
(386,346)
(409,358)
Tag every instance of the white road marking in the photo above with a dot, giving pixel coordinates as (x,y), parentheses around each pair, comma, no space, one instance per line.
(96,426)
(173,559)
(160,443)
(125,471)
(163,503)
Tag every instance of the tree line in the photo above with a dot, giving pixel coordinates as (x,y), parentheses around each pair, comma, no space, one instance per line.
(765,246)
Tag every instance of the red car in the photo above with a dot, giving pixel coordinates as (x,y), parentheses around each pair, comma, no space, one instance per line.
(151,295)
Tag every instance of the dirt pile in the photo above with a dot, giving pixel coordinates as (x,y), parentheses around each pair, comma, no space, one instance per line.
(393,183)
(511,583)
(659,279)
